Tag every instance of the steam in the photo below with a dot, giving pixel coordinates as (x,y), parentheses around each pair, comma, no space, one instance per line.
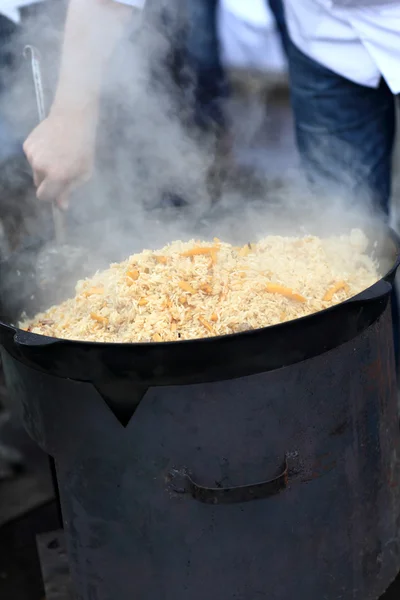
(146,151)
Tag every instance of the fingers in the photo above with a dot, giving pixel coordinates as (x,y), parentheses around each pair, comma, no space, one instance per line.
(63,200)
(58,190)
(48,187)
(28,147)
(61,158)
(39,175)
(54,190)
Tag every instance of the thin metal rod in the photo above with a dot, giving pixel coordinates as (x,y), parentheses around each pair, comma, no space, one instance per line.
(32,54)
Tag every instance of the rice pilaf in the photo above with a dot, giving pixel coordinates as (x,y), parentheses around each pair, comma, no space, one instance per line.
(200,289)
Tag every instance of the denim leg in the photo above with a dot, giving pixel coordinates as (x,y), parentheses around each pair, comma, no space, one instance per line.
(345,134)
(278,10)
(345,131)
(204,60)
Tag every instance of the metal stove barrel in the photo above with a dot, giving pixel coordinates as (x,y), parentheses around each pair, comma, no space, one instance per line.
(264,464)
(279,484)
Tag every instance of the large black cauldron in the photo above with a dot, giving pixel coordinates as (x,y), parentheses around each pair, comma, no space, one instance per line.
(258,465)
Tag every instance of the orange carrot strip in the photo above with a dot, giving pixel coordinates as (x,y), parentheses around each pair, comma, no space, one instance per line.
(143,302)
(186,287)
(162,260)
(133,274)
(206,324)
(214,317)
(337,287)
(199,251)
(99,318)
(156,337)
(206,288)
(275,288)
(93,292)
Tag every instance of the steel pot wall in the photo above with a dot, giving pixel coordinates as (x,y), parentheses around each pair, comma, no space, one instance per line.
(280,485)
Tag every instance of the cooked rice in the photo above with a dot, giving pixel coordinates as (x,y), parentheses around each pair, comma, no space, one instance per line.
(197,289)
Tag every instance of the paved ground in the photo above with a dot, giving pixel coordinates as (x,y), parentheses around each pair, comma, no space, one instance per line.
(20,574)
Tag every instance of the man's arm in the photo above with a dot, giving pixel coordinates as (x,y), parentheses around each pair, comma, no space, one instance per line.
(93,29)
(61,149)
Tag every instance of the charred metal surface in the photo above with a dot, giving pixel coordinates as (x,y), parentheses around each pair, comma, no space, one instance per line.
(333,533)
(58,583)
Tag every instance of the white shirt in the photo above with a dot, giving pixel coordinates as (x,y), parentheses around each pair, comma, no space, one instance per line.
(10,8)
(359,43)
(248,37)
(135,3)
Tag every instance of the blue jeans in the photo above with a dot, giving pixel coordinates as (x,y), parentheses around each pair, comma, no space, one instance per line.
(278,10)
(203,53)
(345,134)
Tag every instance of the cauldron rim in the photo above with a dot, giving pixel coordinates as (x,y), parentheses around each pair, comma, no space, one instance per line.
(43,340)
(388,276)
(367,306)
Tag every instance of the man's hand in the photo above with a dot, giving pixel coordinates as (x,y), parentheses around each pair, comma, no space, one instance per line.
(61,153)
(61,149)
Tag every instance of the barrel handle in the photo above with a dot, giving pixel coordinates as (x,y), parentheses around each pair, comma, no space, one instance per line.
(182,482)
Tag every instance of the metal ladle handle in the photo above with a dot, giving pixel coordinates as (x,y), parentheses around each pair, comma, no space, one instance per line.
(32,54)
